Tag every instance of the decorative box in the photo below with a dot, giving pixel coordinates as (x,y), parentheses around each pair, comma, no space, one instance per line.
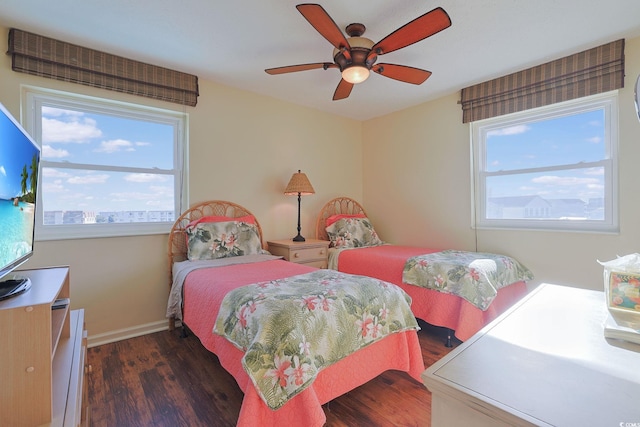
(622,290)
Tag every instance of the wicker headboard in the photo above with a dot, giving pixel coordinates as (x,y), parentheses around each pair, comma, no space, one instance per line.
(177,235)
(339,205)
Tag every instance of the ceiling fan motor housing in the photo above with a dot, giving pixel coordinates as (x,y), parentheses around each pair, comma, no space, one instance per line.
(356,55)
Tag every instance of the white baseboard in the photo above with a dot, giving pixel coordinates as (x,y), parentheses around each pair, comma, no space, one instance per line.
(123,334)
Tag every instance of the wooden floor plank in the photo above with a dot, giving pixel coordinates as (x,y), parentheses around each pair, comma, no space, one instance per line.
(171,408)
(213,392)
(101,412)
(162,380)
(394,396)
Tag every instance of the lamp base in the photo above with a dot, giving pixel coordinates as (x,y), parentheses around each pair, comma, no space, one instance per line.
(298,238)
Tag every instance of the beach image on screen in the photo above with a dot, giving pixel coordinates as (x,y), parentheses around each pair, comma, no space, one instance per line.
(18,180)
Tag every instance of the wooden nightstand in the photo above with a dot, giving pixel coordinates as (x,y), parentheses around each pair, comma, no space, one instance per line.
(312,252)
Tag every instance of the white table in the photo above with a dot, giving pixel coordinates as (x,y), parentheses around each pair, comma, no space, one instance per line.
(544,362)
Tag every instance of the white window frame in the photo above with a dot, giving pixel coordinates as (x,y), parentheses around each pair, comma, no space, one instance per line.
(32,101)
(479,130)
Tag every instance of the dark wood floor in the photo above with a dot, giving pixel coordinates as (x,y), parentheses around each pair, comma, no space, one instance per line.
(161,379)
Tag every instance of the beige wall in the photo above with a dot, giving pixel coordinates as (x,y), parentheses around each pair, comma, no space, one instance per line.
(243,148)
(416,175)
(417,169)
(410,169)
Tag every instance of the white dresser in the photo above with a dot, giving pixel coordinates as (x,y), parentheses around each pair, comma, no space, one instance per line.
(544,362)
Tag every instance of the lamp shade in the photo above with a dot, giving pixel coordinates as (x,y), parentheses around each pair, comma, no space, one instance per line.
(299,184)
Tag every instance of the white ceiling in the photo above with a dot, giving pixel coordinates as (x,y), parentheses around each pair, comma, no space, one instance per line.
(232,42)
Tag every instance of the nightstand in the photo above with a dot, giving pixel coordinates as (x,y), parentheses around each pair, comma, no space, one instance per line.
(311,252)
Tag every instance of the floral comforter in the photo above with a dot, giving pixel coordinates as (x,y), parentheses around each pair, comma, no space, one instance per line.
(292,328)
(474,276)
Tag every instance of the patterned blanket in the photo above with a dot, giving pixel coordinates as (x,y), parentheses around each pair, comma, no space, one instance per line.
(292,328)
(474,276)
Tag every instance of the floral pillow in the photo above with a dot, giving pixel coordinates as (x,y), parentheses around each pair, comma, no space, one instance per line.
(219,218)
(352,232)
(212,240)
(337,217)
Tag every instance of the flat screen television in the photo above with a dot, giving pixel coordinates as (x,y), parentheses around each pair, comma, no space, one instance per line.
(19,163)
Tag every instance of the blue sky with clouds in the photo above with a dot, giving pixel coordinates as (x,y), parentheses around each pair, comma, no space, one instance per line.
(565,140)
(106,140)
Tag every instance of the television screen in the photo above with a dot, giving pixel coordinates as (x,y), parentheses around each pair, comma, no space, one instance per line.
(19,162)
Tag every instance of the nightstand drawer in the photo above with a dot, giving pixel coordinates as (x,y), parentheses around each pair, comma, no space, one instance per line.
(318,264)
(308,254)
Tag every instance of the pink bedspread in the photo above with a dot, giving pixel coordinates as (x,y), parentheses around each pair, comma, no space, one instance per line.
(386,262)
(204,290)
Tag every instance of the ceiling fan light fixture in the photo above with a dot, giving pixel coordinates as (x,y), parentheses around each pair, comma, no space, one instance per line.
(355,74)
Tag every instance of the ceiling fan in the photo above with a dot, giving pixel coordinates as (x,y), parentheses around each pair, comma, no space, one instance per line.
(355,57)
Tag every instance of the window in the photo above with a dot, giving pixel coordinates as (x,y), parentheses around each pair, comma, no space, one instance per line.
(108,168)
(551,168)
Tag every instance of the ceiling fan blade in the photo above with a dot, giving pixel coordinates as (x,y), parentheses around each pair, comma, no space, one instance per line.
(324,24)
(343,90)
(301,67)
(419,29)
(402,73)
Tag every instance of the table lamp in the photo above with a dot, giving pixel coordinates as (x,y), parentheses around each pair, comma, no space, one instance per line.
(299,185)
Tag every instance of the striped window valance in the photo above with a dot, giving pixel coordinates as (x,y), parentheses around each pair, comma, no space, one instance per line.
(46,57)
(593,71)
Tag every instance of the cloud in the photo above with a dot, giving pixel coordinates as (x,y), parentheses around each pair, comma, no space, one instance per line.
(74,129)
(598,187)
(594,171)
(54,173)
(151,195)
(58,112)
(54,186)
(145,177)
(565,180)
(512,130)
(50,152)
(71,200)
(89,179)
(595,140)
(143,144)
(114,146)
(3,171)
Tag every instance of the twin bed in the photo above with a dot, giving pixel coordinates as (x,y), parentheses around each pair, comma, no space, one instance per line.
(362,252)
(284,382)
(272,323)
